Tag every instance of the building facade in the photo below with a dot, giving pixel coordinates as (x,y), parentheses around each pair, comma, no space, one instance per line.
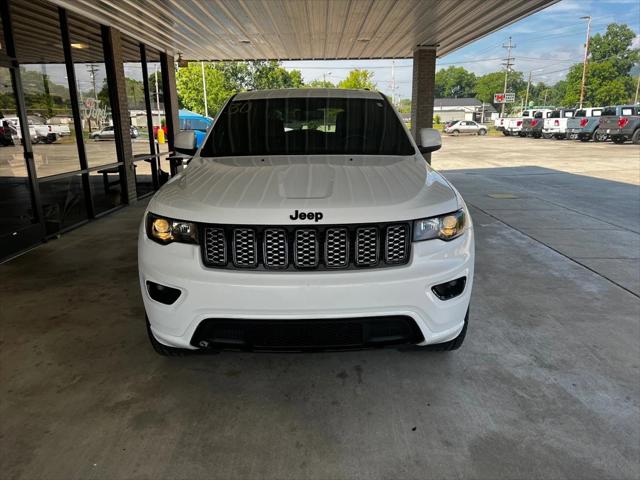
(79,105)
(449,109)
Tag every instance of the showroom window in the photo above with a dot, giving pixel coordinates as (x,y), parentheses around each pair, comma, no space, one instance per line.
(94,102)
(63,155)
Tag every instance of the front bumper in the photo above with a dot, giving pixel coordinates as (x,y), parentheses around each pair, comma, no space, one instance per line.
(235,294)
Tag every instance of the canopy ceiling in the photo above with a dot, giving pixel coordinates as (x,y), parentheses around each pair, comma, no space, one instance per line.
(304,29)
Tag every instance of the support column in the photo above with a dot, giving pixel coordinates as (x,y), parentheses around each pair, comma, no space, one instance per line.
(170,93)
(112,42)
(424,79)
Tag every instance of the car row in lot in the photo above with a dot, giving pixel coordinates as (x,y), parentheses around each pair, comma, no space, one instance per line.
(620,123)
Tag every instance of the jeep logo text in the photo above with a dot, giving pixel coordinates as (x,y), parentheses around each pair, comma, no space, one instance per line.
(317,216)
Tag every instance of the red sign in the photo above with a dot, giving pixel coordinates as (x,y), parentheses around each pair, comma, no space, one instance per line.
(498,98)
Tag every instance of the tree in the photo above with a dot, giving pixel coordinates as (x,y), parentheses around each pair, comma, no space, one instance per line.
(358,79)
(404,105)
(608,78)
(190,91)
(615,44)
(265,75)
(491,83)
(319,84)
(455,82)
(223,79)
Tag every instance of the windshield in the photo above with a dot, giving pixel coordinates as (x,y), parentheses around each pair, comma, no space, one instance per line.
(307,126)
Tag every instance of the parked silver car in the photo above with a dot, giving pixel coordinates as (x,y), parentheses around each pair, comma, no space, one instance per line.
(465,126)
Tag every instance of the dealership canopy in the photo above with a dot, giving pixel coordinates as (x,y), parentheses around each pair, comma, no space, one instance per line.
(304,29)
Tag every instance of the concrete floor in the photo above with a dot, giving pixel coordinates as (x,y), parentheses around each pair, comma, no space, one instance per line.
(547,384)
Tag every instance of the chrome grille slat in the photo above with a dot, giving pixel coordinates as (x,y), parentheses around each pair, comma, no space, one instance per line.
(313,247)
(215,246)
(367,246)
(275,248)
(305,248)
(336,247)
(396,244)
(245,248)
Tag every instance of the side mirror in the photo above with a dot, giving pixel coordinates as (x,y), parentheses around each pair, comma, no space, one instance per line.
(185,142)
(430,140)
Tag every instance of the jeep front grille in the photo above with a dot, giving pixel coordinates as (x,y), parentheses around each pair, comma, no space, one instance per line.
(306,248)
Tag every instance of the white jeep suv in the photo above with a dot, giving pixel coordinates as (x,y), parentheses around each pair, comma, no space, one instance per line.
(308,219)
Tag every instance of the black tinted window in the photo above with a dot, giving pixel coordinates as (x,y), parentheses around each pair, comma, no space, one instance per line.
(581,113)
(609,112)
(307,126)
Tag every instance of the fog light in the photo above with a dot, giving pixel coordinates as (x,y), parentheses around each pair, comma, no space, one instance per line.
(162,293)
(449,290)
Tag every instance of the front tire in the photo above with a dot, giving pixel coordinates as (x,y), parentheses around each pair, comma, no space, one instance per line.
(456,133)
(162,349)
(636,137)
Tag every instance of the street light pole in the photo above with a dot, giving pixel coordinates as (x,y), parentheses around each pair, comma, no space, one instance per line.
(204,91)
(584,63)
(526,98)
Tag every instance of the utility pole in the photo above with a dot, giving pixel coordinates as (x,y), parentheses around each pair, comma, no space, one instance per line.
(637,89)
(586,55)
(508,64)
(526,98)
(204,91)
(393,83)
(158,98)
(93,68)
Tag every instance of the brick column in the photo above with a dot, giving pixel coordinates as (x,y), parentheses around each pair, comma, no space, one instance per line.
(424,79)
(114,61)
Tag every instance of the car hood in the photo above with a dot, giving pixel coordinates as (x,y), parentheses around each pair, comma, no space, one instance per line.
(345,189)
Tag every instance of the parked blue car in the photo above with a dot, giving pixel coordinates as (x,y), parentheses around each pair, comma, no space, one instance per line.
(189,120)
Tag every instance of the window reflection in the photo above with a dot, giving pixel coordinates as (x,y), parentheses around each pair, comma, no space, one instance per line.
(45,86)
(93,91)
(16,210)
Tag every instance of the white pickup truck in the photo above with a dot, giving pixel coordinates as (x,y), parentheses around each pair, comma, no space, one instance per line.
(39,131)
(513,125)
(556,125)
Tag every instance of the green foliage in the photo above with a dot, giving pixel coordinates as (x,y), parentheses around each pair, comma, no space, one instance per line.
(190,92)
(455,82)
(615,45)
(319,84)
(608,81)
(223,79)
(492,83)
(404,105)
(358,79)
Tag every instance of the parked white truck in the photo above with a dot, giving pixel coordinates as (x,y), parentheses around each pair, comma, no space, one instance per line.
(555,126)
(308,219)
(38,130)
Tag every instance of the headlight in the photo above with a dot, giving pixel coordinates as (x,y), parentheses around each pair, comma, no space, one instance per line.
(166,230)
(445,227)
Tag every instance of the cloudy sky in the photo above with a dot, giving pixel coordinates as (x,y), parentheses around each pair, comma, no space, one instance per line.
(547,43)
